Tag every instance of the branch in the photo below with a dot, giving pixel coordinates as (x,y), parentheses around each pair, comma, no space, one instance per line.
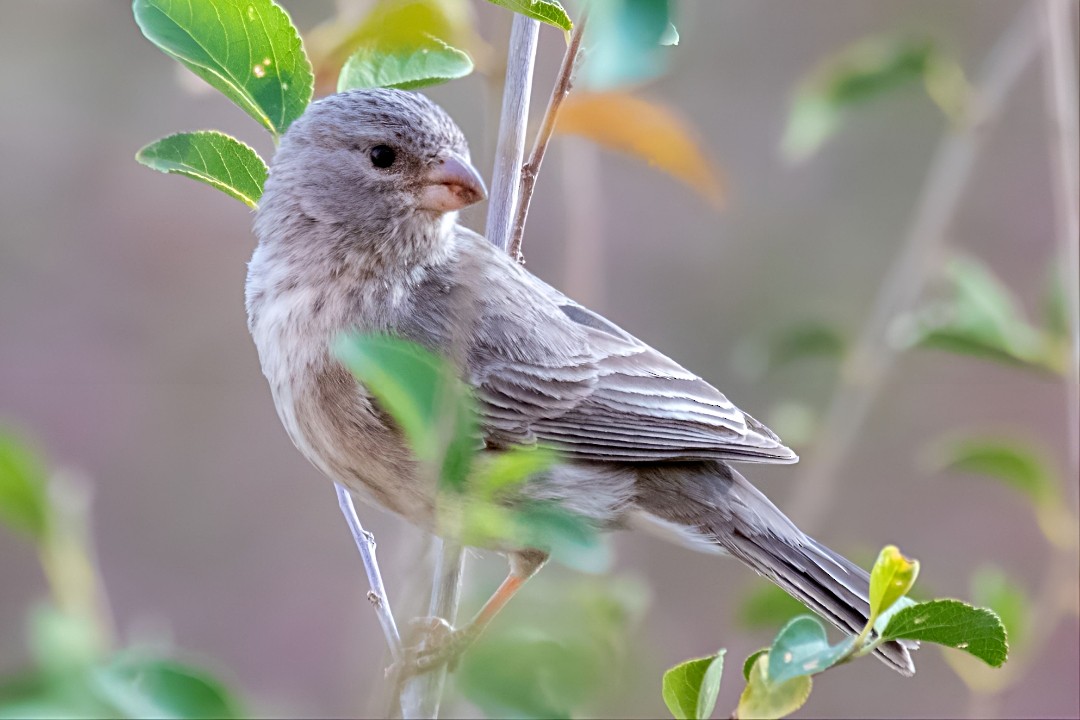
(872,357)
(563,84)
(510,148)
(1061,102)
(365,543)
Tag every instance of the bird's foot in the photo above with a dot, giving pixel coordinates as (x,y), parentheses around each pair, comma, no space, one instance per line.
(430,643)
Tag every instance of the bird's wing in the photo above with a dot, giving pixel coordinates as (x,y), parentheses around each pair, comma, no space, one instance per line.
(548,370)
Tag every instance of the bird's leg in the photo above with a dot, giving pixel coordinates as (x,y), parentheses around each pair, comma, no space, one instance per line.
(435,643)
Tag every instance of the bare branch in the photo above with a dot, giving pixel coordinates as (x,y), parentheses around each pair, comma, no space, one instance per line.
(563,84)
(872,357)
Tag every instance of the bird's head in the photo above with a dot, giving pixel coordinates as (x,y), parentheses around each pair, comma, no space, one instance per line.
(376,163)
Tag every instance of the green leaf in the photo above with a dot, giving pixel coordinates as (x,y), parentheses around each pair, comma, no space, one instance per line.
(863,71)
(570,538)
(764,699)
(423,395)
(24,502)
(767,606)
(548,11)
(748,663)
(499,472)
(890,579)
(427,62)
(1013,463)
(149,687)
(802,648)
(690,688)
(247,49)
(982,318)
(61,642)
(955,624)
(628,42)
(991,588)
(211,157)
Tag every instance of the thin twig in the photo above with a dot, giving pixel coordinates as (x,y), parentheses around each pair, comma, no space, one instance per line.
(872,356)
(513,121)
(563,84)
(1061,106)
(365,543)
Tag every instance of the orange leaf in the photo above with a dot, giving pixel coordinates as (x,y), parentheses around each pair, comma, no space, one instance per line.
(647,130)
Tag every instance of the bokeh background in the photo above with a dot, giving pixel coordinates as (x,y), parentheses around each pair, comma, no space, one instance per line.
(124,351)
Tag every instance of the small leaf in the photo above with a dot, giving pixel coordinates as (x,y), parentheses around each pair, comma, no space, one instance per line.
(148,687)
(24,502)
(428,61)
(763,699)
(748,664)
(861,72)
(423,395)
(767,606)
(548,11)
(628,42)
(403,45)
(211,157)
(647,130)
(802,648)
(247,49)
(890,579)
(955,624)
(569,538)
(1013,463)
(690,688)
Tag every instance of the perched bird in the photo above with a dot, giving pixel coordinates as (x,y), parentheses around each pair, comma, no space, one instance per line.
(358,230)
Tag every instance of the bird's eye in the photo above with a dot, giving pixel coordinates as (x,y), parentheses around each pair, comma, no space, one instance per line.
(383,156)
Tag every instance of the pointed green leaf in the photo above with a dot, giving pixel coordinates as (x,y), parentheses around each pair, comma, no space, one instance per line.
(211,157)
(690,688)
(149,687)
(501,471)
(1011,462)
(748,663)
(764,699)
(426,61)
(247,49)
(955,624)
(890,579)
(802,648)
(423,395)
(548,11)
(24,502)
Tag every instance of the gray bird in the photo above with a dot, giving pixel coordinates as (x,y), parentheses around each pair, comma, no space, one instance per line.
(358,230)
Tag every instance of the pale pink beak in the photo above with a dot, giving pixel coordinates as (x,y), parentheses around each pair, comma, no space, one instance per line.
(451,184)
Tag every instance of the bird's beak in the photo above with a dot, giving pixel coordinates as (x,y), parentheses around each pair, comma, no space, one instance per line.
(451,184)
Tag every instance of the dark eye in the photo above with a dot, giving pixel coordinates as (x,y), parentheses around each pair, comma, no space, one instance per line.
(383,156)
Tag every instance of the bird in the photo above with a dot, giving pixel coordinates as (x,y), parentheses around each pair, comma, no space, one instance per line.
(358,231)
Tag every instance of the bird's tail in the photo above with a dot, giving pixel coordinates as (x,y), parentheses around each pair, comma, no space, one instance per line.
(747,525)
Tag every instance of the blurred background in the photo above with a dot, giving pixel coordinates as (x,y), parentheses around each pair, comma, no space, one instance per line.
(124,354)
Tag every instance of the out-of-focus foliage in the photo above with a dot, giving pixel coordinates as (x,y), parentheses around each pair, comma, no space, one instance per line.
(627,42)
(211,157)
(767,606)
(644,129)
(557,650)
(247,49)
(23,496)
(864,71)
(982,318)
(690,688)
(76,671)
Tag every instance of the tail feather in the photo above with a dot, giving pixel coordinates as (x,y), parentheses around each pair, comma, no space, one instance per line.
(714,500)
